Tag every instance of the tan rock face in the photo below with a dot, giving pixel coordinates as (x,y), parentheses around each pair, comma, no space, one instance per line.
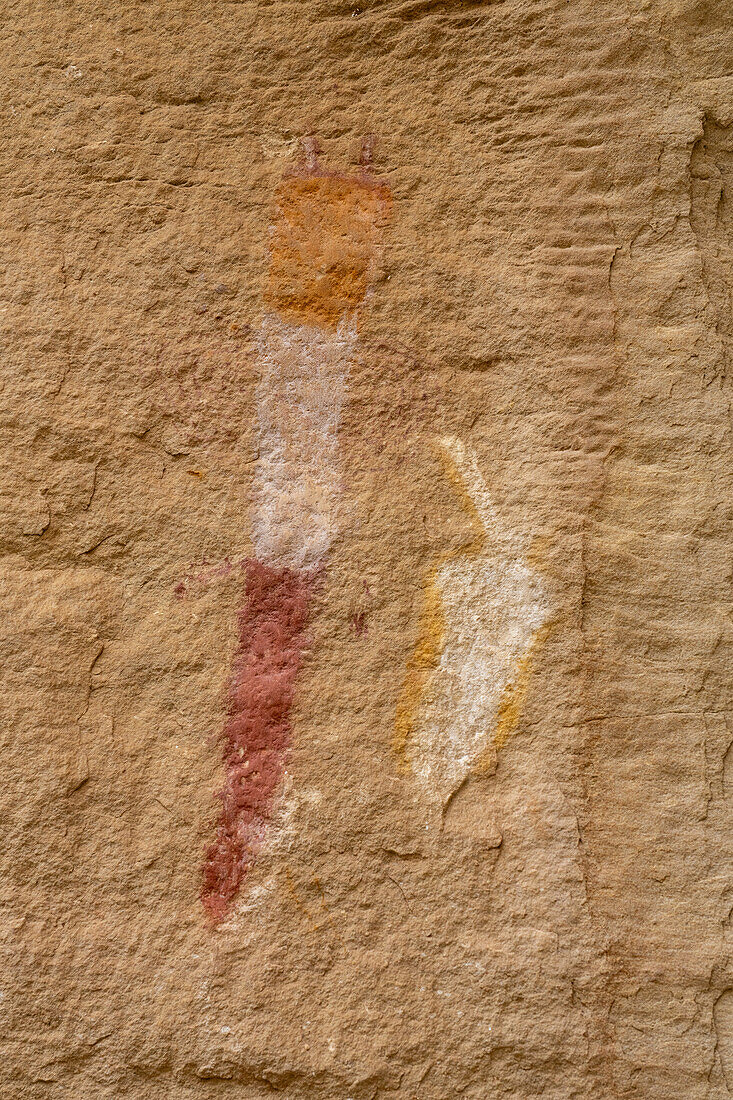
(366,551)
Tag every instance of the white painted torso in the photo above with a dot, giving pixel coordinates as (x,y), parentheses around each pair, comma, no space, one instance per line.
(297,481)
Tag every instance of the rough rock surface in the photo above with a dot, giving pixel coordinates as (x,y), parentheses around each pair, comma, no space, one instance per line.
(550,307)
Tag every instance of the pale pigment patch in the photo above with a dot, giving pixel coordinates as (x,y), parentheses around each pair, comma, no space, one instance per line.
(484,610)
(297,480)
(278,147)
(294,808)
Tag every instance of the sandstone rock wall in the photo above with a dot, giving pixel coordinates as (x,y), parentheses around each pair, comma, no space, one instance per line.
(366,498)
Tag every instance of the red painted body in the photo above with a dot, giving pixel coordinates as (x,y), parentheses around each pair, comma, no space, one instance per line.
(257,734)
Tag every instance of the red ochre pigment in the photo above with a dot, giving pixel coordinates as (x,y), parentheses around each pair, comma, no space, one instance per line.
(256,736)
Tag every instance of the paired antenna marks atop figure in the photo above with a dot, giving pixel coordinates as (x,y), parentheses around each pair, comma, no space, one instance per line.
(312,150)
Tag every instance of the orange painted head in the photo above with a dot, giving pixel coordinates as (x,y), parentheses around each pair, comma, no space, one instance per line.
(324,245)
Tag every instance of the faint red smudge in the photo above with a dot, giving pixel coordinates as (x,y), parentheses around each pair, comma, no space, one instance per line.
(358,620)
(206,574)
(256,736)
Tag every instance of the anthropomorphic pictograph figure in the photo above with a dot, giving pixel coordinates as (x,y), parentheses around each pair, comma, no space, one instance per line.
(324,242)
(485,610)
